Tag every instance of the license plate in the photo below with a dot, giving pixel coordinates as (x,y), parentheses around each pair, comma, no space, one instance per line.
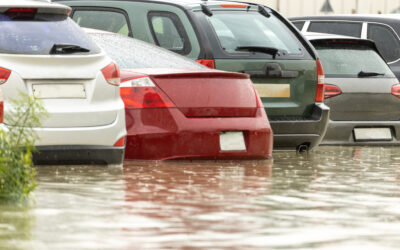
(232,141)
(372,134)
(273,90)
(54,91)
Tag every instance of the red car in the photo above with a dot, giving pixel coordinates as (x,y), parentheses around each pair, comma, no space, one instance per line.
(177,108)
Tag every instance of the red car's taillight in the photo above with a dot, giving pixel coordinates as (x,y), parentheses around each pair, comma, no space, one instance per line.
(111,74)
(4,75)
(207,63)
(331,91)
(120,142)
(143,93)
(396,90)
(319,97)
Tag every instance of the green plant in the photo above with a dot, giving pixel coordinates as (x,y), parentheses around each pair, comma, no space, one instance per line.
(17,175)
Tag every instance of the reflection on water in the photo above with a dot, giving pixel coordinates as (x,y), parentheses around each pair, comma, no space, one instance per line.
(334,197)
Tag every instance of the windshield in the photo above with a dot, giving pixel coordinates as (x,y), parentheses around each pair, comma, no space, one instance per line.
(350,59)
(38,35)
(242,29)
(131,53)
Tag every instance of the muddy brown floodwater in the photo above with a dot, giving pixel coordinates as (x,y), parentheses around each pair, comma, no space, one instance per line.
(332,198)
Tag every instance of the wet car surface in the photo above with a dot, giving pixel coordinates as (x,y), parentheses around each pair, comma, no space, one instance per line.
(331,198)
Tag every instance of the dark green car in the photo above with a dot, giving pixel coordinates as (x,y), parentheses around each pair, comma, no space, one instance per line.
(230,36)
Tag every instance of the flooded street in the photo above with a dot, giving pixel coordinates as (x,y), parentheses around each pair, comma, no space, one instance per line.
(331,198)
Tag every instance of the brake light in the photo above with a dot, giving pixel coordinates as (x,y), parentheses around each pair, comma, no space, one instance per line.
(233,5)
(396,90)
(21,10)
(208,63)
(4,75)
(120,142)
(143,93)
(331,91)
(111,74)
(319,97)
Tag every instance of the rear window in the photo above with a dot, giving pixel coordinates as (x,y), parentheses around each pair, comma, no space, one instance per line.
(39,34)
(339,28)
(131,53)
(347,60)
(241,29)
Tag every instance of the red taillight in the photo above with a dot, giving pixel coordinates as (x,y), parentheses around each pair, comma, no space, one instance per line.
(233,5)
(331,91)
(4,75)
(21,10)
(396,90)
(120,142)
(143,93)
(208,63)
(111,74)
(319,97)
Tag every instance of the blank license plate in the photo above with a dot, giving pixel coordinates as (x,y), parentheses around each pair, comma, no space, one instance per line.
(372,134)
(53,91)
(232,141)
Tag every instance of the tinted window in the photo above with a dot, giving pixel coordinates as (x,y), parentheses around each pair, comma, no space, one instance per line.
(299,25)
(348,60)
(131,53)
(39,34)
(237,29)
(387,42)
(168,32)
(103,20)
(340,28)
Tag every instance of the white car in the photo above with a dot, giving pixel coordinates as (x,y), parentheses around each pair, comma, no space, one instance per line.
(43,53)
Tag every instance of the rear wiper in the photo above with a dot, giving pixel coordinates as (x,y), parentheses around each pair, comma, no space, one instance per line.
(66,49)
(369,74)
(266,50)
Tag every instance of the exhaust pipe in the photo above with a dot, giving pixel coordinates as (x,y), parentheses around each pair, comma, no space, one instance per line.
(302,148)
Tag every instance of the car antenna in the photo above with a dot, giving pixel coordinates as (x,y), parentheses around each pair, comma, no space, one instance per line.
(263,12)
(205,9)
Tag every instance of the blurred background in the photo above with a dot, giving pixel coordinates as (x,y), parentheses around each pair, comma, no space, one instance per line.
(292,8)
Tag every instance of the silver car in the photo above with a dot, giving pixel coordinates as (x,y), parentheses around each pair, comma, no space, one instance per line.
(361,90)
(43,53)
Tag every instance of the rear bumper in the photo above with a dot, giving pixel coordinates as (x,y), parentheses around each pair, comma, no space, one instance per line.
(341,132)
(67,155)
(165,133)
(291,134)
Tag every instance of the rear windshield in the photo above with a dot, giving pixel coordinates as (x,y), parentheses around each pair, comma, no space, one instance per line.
(239,28)
(131,53)
(38,35)
(350,59)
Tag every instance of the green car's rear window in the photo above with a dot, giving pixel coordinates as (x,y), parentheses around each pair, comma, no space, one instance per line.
(237,29)
(348,60)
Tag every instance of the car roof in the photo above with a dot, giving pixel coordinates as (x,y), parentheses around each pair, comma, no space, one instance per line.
(42,5)
(322,36)
(351,17)
(182,3)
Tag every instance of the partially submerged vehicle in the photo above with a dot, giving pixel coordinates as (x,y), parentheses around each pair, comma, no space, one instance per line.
(361,91)
(43,53)
(176,108)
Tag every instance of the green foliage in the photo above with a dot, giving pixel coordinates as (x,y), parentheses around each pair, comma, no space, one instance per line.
(17,175)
